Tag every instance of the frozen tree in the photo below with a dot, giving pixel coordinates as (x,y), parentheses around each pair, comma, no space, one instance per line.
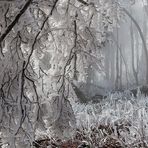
(44,47)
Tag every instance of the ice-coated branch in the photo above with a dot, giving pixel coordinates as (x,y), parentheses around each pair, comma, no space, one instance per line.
(13,23)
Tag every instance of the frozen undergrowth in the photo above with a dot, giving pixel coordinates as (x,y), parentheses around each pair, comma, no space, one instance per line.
(119,120)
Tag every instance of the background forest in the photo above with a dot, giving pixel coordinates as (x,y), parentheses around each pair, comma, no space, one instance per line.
(73,73)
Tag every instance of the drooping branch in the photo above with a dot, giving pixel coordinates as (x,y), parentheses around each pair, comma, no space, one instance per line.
(53,7)
(83,2)
(20,99)
(13,23)
(39,32)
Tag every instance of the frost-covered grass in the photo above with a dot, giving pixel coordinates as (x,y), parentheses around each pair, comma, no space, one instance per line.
(118,120)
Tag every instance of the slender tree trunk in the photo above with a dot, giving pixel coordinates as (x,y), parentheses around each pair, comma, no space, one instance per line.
(135,73)
(137,53)
(145,61)
(117,65)
(112,53)
(120,69)
(107,62)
